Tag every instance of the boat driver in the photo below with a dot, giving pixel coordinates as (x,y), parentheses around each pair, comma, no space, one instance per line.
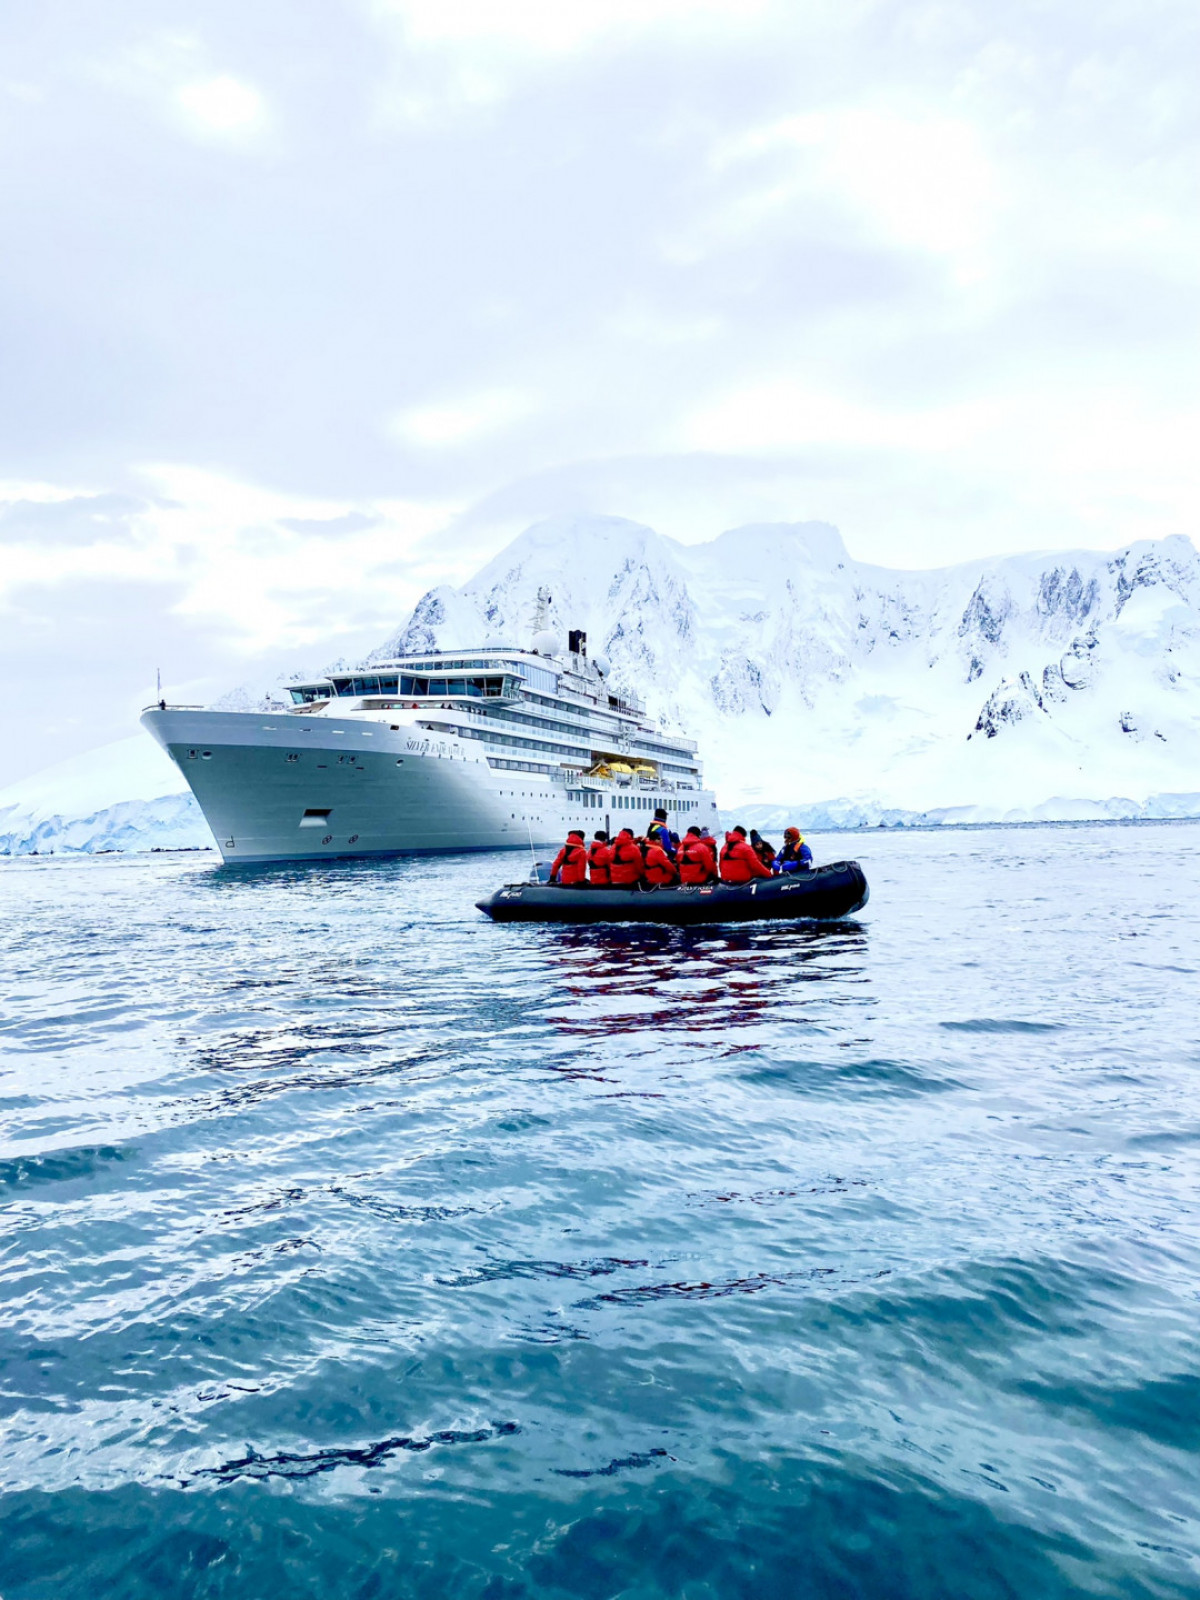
(658,833)
(795,855)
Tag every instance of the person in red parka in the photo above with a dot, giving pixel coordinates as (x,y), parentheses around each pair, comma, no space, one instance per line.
(571,862)
(739,859)
(627,866)
(696,857)
(600,860)
(660,869)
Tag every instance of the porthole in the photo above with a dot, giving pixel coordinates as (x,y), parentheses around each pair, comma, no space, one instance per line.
(206,755)
(328,839)
(353,839)
(293,758)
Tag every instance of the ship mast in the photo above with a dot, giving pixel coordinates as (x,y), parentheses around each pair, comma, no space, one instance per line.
(541,610)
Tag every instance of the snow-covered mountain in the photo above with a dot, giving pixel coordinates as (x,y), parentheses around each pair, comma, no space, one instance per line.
(1041,684)
(1061,685)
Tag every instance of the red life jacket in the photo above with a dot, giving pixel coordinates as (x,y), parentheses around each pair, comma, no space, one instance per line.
(697,863)
(659,866)
(627,866)
(570,864)
(599,861)
(739,862)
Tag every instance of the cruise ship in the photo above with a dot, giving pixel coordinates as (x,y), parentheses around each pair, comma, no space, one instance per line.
(488,749)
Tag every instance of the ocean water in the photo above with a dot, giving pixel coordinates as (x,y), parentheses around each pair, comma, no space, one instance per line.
(355,1247)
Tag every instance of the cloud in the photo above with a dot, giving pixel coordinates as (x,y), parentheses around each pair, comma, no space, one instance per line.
(176,74)
(69,519)
(786,416)
(222,108)
(442,426)
(551,27)
(331,527)
(921,181)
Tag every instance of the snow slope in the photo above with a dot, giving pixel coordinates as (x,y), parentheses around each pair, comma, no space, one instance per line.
(1064,685)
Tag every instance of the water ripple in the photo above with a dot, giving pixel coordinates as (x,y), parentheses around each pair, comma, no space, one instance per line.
(854,1260)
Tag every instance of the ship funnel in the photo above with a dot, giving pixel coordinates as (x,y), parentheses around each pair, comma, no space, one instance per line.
(577,642)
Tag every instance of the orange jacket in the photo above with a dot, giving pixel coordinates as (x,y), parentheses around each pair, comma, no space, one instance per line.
(739,861)
(599,861)
(697,860)
(659,866)
(570,864)
(627,866)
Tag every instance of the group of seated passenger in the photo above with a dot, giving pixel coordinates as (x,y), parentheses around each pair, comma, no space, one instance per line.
(661,857)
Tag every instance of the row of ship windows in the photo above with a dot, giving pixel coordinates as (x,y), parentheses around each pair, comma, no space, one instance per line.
(539,722)
(544,747)
(593,800)
(403,684)
(432,680)
(643,802)
(588,720)
(649,744)
(521,766)
(541,747)
(582,733)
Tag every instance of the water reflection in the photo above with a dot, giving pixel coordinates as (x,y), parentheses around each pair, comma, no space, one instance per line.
(628,980)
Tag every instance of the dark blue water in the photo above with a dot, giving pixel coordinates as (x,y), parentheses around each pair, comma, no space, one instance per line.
(353,1246)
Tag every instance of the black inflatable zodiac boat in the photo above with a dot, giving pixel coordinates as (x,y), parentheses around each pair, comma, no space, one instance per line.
(824,892)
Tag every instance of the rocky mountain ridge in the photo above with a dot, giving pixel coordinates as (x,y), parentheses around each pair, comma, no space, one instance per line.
(807,675)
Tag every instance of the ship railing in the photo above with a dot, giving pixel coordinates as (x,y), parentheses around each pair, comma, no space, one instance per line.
(656,785)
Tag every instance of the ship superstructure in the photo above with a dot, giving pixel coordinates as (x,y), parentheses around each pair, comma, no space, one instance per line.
(480,749)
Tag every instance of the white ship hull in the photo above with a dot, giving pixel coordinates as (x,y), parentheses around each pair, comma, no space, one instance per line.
(282,787)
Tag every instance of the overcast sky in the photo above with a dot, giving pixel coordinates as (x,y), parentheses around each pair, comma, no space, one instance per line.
(307,305)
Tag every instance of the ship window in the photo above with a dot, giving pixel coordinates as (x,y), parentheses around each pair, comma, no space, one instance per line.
(437,686)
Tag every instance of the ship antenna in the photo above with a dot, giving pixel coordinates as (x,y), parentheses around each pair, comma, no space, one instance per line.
(532,851)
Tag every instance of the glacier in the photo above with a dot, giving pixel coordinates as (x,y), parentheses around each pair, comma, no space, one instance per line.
(1059,686)
(128,795)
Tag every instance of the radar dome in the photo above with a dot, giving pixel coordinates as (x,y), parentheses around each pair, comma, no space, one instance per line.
(601,665)
(547,643)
